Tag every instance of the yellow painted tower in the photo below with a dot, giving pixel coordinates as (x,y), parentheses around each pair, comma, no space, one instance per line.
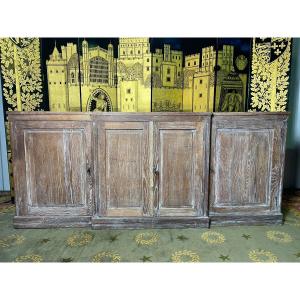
(134,75)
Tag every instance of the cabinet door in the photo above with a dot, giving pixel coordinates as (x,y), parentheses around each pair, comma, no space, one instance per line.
(123,169)
(52,168)
(180,168)
(246,164)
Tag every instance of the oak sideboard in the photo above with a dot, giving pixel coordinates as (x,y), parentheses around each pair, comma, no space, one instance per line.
(138,170)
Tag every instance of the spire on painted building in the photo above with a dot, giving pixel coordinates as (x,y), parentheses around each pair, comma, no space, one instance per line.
(84,42)
(55,53)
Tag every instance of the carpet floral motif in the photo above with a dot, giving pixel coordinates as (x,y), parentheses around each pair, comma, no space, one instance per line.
(259,255)
(11,240)
(80,239)
(213,237)
(106,256)
(147,238)
(279,236)
(185,256)
(29,258)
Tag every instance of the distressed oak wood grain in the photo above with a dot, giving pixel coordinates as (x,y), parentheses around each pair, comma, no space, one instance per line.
(247,157)
(123,162)
(180,167)
(52,173)
(147,170)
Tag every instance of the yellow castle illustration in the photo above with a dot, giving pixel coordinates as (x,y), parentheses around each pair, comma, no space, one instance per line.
(141,81)
(72,85)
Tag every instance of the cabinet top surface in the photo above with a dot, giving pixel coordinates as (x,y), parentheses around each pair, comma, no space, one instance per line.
(105,113)
(86,116)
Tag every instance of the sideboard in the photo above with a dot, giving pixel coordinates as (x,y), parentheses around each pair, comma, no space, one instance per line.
(138,170)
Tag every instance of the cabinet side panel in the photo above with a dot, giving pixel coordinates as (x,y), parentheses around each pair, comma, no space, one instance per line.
(19,171)
(278,165)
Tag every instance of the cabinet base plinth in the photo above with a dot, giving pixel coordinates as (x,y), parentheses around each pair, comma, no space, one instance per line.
(161,222)
(232,219)
(144,222)
(51,221)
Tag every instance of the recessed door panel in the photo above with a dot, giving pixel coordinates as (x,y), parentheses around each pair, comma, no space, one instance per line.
(123,163)
(55,164)
(176,168)
(246,164)
(179,169)
(123,157)
(243,161)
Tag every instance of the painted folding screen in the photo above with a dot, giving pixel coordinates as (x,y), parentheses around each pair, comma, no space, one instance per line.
(270,74)
(145,74)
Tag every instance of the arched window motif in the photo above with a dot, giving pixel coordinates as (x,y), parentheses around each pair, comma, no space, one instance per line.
(99,101)
(98,70)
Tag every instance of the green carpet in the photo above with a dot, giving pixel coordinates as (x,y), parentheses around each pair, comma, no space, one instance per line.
(219,244)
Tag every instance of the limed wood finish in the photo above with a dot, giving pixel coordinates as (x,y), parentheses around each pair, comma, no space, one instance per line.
(144,170)
(179,168)
(151,170)
(123,175)
(246,166)
(52,171)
